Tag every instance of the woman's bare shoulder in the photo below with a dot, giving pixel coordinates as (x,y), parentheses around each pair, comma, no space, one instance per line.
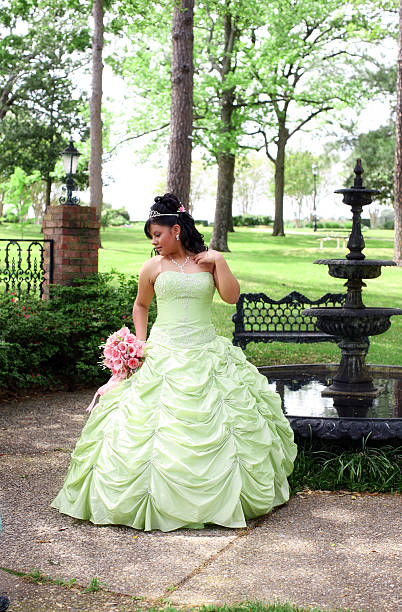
(152,267)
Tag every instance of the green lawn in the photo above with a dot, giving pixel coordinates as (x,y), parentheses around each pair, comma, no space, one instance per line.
(274,266)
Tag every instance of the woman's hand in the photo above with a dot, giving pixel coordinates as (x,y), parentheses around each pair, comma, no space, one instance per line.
(227,285)
(208,257)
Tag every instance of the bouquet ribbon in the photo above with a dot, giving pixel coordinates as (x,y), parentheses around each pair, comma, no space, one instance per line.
(111,384)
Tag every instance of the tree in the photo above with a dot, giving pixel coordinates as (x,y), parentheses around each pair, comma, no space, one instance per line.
(267,70)
(225,155)
(300,70)
(181,113)
(38,38)
(252,182)
(280,79)
(18,197)
(377,152)
(41,47)
(398,152)
(299,178)
(113,216)
(95,161)
(35,142)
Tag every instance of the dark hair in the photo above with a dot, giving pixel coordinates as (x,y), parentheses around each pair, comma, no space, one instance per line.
(167,205)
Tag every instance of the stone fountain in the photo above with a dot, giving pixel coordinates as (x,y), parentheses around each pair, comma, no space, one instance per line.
(352,387)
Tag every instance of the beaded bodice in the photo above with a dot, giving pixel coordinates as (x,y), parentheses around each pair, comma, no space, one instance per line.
(184,308)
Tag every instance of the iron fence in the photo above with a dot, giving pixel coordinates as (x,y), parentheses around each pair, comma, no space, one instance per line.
(25,265)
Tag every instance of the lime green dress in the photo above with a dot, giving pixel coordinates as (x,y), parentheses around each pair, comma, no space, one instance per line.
(195,436)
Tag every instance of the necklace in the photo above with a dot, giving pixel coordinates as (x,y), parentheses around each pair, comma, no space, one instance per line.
(180,266)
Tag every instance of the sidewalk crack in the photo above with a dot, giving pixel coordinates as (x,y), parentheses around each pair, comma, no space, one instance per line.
(254,523)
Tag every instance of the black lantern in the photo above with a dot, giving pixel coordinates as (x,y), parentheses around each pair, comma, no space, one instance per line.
(70,157)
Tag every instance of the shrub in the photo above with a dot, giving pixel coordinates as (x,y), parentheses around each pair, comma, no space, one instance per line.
(56,343)
(251,220)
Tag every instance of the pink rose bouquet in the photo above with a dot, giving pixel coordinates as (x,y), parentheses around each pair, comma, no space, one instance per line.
(122,354)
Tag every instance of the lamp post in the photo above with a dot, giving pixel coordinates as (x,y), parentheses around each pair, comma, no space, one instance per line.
(70,157)
(315,171)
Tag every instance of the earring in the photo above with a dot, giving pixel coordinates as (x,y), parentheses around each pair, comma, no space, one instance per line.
(177,237)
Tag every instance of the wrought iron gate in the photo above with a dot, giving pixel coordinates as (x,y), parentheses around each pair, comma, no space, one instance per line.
(23,264)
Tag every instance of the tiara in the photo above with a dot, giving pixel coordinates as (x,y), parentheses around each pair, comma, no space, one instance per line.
(155,213)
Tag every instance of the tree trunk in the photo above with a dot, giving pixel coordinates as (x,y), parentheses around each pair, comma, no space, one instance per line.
(224,197)
(230,214)
(181,112)
(95,162)
(398,153)
(283,134)
(226,160)
(48,192)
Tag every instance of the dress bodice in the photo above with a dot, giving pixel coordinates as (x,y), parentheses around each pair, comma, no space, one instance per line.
(184,308)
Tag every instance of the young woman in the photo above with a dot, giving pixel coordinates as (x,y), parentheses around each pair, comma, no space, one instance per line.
(195,436)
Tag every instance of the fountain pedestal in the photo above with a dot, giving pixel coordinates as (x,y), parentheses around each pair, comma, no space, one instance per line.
(352,385)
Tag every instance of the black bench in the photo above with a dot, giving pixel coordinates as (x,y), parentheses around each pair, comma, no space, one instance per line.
(259,318)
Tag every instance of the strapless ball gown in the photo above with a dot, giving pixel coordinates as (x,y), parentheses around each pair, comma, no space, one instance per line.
(195,436)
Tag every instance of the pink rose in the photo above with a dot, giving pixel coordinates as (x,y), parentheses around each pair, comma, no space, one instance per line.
(133,363)
(131,349)
(122,346)
(123,332)
(140,351)
(117,364)
(130,338)
(115,353)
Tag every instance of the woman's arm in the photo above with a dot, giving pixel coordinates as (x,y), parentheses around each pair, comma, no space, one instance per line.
(142,301)
(226,283)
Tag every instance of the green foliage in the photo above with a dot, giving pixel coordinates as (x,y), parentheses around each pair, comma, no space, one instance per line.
(299,177)
(329,224)
(114,216)
(258,606)
(94,586)
(329,466)
(39,39)
(42,45)
(17,194)
(56,343)
(377,151)
(38,577)
(251,220)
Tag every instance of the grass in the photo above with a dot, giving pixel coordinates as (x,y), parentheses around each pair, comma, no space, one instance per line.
(275,266)
(246,606)
(38,577)
(327,466)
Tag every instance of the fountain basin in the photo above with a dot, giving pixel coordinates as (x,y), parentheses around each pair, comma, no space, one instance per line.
(345,268)
(301,385)
(353,322)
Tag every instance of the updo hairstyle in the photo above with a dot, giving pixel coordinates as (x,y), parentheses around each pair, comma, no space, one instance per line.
(168,205)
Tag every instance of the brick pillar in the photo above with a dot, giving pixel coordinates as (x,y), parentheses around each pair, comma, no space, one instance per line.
(75,234)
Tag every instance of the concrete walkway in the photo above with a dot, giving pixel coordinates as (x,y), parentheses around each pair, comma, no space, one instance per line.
(332,551)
